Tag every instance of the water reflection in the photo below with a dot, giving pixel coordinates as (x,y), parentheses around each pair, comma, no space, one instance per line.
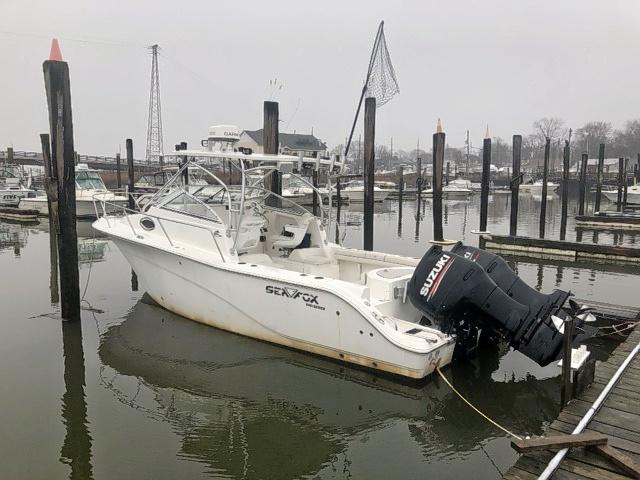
(76,449)
(252,410)
(13,236)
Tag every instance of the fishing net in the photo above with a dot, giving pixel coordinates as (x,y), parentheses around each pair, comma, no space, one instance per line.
(381,77)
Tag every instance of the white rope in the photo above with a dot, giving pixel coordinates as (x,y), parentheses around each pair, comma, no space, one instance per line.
(474,408)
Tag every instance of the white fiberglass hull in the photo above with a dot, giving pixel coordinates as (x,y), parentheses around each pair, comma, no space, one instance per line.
(317,320)
(633,196)
(84,206)
(537,187)
(357,196)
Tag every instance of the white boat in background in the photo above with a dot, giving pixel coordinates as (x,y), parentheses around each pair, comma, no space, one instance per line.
(354,192)
(254,263)
(633,195)
(453,190)
(14,186)
(296,189)
(536,187)
(89,188)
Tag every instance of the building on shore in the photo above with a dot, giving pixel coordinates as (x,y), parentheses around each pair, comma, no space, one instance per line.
(290,143)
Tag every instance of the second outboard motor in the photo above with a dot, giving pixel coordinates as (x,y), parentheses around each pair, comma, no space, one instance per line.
(458,295)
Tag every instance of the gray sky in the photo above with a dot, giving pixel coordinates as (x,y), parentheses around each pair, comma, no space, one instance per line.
(505,63)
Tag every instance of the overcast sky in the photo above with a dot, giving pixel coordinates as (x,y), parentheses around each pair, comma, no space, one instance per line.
(471,63)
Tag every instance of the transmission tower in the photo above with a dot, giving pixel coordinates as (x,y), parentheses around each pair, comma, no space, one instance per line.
(154,129)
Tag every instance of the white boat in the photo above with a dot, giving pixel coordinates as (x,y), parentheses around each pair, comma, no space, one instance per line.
(296,189)
(452,190)
(633,195)
(536,187)
(89,189)
(251,262)
(14,186)
(354,192)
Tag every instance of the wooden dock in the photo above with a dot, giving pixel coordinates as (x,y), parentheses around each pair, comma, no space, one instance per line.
(536,247)
(618,418)
(609,222)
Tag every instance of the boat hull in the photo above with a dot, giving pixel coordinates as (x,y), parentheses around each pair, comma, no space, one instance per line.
(327,324)
(357,196)
(612,195)
(84,207)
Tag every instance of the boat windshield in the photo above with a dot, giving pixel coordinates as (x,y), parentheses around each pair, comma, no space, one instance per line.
(89,181)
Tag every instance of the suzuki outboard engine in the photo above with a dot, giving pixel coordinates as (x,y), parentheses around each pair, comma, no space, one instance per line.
(468,290)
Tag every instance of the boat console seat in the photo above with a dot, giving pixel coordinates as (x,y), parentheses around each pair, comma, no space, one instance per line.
(292,236)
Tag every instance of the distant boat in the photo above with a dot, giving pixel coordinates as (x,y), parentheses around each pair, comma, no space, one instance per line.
(354,191)
(536,187)
(633,195)
(14,186)
(90,192)
(458,188)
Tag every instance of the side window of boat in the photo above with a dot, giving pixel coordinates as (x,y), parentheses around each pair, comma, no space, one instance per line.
(188,205)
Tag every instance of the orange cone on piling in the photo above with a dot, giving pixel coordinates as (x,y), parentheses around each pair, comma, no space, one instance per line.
(55,54)
(439,127)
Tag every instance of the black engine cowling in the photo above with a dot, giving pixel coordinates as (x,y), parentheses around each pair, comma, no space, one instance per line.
(470,289)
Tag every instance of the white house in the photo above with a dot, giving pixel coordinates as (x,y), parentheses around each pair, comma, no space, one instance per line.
(290,143)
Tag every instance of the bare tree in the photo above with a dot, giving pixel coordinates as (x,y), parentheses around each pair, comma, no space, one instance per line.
(549,127)
(591,134)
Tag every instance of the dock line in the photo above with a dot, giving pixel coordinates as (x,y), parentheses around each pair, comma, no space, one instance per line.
(474,408)
(555,461)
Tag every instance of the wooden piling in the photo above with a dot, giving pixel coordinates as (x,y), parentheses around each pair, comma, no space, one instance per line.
(271,142)
(486,179)
(625,182)
(596,207)
(566,362)
(185,172)
(338,208)
(543,202)
(436,185)
(516,180)
(400,174)
(51,188)
(118,177)
(314,202)
(58,88)
(369,169)
(583,183)
(131,176)
(620,172)
(565,190)
(9,159)
(448,170)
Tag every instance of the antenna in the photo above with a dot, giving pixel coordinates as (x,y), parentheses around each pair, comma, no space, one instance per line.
(155,148)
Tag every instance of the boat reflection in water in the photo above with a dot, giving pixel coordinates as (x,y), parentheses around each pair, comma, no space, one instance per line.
(253,410)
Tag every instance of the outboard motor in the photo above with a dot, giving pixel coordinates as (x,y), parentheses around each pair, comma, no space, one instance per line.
(468,290)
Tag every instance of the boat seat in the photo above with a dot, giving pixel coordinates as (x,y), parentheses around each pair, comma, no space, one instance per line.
(311,256)
(257,258)
(290,241)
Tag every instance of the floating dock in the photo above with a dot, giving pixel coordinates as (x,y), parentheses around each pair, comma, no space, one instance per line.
(536,247)
(16,214)
(618,419)
(609,222)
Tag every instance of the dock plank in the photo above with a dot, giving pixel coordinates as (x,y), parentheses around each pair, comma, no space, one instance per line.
(618,418)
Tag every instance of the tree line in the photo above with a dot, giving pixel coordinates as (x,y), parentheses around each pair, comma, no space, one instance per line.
(623,142)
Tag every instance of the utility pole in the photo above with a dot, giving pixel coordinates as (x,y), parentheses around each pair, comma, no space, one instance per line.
(155,149)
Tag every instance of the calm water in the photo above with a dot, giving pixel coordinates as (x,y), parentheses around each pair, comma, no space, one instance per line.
(136,392)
